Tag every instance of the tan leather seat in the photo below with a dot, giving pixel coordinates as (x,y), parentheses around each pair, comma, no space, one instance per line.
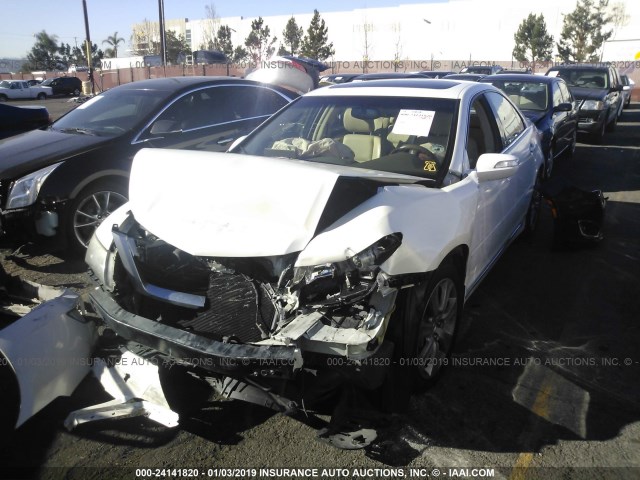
(361,140)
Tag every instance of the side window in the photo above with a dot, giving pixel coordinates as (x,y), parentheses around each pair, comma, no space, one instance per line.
(557,94)
(566,94)
(509,121)
(250,102)
(482,134)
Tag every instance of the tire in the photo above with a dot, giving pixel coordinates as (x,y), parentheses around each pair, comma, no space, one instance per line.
(548,167)
(42,96)
(3,98)
(611,127)
(90,207)
(76,92)
(598,137)
(533,212)
(430,313)
(570,152)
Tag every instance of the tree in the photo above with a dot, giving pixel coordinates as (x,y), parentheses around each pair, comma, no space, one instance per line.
(224,44)
(145,38)
(44,54)
(533,42)
(113,40)
(259,42)
(292,36)
(583,31)
(315,41)
(210,29)
(397,54)
(174,46)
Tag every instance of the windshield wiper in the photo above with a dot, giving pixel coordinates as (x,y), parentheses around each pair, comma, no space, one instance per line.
(83,131)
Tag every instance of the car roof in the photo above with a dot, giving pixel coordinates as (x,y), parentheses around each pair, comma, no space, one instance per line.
(519,77)
(405,87)
(178,83)
(581,66)
(385,75)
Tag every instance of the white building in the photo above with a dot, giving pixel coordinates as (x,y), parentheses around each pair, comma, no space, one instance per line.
(454,31)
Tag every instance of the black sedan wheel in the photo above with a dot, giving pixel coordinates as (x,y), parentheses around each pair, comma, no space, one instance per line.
(533,213)
(91,207)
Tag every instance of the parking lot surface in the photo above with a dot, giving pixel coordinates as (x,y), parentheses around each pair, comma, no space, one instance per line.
(543,381)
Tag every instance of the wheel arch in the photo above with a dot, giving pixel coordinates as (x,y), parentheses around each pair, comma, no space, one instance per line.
(99,177)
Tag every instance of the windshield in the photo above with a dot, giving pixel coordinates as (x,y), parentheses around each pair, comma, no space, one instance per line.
(584,78)
(526,95)
(111,113)
(411,136)
(48,81)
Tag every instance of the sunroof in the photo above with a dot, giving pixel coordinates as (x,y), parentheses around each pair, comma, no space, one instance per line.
(401,82)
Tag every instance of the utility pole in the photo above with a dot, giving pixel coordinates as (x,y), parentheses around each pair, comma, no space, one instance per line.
(163,40)
(88,44)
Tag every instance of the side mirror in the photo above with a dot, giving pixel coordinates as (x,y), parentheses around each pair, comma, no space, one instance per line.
(496,166)
(164,127)
(563,107)
(626,88)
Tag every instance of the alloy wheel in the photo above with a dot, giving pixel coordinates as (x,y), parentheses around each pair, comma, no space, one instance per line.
(92,211)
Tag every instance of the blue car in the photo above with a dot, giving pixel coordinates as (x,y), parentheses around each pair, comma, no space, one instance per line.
(549,104)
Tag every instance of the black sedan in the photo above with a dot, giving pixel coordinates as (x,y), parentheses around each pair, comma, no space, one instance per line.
(468,77)
(15,120)
(63,181)
(549,104)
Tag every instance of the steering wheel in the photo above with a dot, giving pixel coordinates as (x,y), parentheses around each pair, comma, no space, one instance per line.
(414,149)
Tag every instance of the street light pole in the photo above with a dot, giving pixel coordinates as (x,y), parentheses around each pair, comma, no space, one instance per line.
(88,44)
(163,40)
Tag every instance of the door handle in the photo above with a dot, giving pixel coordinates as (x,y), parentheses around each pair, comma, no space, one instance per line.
(225,141)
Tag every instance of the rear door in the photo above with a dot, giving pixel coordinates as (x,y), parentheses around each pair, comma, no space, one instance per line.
(519,140)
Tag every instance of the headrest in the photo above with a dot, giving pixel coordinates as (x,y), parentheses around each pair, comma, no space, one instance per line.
(357,125)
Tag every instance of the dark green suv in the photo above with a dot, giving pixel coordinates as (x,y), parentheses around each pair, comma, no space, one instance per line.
(64,85)
(597,89)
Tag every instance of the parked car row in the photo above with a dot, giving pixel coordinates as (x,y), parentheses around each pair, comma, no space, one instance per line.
(264,240)
(26,89)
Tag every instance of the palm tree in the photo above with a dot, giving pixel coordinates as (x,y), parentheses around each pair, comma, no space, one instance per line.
(114,41)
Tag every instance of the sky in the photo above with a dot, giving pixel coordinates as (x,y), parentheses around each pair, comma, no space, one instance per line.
(21,19)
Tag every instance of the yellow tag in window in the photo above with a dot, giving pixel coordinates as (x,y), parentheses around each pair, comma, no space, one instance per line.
(430,166)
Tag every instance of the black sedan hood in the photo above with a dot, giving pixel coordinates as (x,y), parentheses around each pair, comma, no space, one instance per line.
(589,93)
(31,151)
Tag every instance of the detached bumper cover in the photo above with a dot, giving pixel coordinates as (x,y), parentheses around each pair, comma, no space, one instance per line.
(235,360)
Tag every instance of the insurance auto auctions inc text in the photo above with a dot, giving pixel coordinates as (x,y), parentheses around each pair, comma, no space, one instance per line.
(365,473)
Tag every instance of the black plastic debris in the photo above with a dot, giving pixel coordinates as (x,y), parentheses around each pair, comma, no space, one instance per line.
(578,214)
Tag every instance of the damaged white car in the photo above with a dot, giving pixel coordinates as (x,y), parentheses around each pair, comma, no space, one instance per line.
(335,245)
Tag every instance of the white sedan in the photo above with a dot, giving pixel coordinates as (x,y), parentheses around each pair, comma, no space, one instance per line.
(337,243)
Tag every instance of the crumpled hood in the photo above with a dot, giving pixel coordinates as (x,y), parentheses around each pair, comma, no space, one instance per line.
(231,205)
(23,154)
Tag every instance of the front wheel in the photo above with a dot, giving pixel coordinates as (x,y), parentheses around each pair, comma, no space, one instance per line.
(571,149)
(89,209)
(3,98)
(533,213)
(42,96)
(76,92)
(598,137)
(431,312)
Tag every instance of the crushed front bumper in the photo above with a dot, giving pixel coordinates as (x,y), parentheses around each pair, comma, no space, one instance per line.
(235,360)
